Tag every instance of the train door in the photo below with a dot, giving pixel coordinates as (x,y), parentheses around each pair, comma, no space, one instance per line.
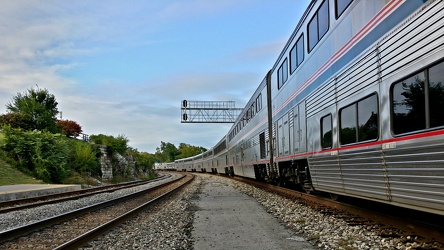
(300,128)
(283,136)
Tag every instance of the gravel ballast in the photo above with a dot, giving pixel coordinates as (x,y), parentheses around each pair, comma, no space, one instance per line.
(170,227)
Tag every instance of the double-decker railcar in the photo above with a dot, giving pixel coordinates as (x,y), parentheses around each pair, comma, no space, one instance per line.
(207,161)
(352,106)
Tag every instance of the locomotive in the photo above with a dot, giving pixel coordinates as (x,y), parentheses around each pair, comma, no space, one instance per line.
(353,106)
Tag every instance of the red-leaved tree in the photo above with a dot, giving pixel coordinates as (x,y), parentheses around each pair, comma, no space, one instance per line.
(70,128)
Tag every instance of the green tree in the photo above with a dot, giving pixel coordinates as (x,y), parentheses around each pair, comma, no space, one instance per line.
(15,120)
(38,106)
(187,150)
(114,144)
(144,161)
(167,152)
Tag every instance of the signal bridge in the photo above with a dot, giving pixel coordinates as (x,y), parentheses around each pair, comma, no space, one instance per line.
(209,111)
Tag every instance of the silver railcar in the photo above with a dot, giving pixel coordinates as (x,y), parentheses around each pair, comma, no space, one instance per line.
(352,106)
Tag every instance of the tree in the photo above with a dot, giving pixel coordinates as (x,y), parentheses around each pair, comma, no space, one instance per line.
(70,128)
(38,106)
(186,150)
(144,161)
(15,120)
(114,144)
(167,152)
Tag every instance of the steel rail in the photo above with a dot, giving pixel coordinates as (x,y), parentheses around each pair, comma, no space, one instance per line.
(96,232)
(26,229)
(71,195)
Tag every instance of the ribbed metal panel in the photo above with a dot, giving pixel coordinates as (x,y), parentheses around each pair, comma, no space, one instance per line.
(326,173)
(416,173)
(290,118)
(364,174)
(408,172)
(322,98)
(416,169)
(408,43)
(358,77)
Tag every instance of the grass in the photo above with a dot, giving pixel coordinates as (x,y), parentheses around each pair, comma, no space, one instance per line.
(10,176)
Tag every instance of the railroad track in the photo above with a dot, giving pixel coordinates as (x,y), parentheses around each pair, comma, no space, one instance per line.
(417,226)
(20,204)
(76,228)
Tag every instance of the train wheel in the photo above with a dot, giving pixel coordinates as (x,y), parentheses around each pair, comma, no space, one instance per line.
(308,188)
(334,197)
(281,182)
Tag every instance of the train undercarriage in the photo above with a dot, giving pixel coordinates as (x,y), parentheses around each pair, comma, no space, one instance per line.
(293,173)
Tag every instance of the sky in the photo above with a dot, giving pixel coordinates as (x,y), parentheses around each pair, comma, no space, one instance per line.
(123,67)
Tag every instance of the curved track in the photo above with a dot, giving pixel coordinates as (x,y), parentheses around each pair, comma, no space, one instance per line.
(15,205)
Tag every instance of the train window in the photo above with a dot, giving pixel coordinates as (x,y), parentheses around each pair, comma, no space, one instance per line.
(368,119)
(341,6)
(253,113)
(297,54)
(359,121)
(282,74)
(418,100)
(318,26)
(348,124)
(326,132)
(436,95)
(259,103)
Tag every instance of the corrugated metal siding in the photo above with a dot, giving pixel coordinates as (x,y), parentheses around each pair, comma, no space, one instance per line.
(410,173)
(322,98)
(416,169)
(416,173)
(358,77)
(418,38)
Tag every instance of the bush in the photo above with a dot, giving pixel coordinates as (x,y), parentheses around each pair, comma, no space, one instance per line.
(119,144)
(40,154)
(144,161)
(49,157)
(15,120)
(39,108)
(83,158)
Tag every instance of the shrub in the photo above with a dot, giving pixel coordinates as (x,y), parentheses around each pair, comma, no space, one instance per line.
(40,154)
(119,144)
(144,161)
(83,158)
(15,120)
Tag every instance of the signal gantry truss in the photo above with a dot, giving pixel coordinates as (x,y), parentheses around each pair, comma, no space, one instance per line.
(209,112)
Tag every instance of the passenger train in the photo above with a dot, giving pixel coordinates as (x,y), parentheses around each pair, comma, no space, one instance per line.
(353,106)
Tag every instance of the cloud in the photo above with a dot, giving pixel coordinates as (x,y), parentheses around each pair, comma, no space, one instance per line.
(195,8)
(123,67)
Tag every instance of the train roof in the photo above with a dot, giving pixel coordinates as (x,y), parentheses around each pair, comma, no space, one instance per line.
(295,31)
